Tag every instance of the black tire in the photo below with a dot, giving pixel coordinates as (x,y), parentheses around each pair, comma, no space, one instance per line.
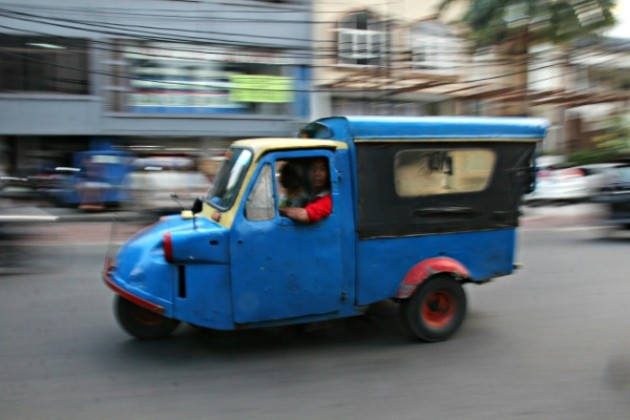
(436,310)
(142,323)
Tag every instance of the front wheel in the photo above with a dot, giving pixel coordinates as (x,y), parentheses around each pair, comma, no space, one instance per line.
(142,323)
(436,310)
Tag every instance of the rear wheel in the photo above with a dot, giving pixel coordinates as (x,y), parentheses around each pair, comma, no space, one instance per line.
(142,323)
(436,310)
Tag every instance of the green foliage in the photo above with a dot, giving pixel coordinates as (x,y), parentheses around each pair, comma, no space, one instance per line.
(612,144)
(584,157)
(497,21)
(616,136)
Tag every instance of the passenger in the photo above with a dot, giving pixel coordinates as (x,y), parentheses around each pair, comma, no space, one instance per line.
(320,203)
(294,194)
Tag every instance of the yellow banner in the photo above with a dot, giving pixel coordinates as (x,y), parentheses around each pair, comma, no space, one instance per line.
(260,88)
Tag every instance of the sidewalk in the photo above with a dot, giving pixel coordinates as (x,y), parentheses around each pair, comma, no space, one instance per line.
(48,225)
(34,213)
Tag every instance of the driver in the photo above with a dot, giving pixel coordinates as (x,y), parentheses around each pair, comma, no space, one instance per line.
(320,204)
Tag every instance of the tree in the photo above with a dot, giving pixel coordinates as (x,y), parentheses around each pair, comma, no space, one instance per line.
(615,138)
(516,25)
(611,144)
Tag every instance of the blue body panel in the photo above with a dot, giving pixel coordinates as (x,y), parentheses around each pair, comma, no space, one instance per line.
(141,269)
(207,302)
(383,263)
(206,243)
(282,269)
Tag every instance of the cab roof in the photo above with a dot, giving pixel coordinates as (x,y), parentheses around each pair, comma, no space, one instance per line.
(259,145)
(350,128)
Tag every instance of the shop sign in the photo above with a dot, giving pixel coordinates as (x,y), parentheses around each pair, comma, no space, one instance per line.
(261,88)
(175,78)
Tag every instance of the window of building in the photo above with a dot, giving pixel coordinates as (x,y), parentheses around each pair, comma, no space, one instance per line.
(361,40)
(432,172)
(43,64)
(434,48)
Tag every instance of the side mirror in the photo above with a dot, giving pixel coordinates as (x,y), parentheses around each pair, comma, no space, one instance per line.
(197,205)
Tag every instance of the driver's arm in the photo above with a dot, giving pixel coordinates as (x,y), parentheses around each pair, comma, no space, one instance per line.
(295,213)
(312,213)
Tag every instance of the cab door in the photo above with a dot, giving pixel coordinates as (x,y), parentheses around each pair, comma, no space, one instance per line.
(280,268)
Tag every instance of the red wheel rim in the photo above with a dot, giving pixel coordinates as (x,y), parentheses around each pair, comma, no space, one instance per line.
(438,309)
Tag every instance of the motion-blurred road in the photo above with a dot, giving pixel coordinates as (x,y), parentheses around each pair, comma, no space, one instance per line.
(549,342)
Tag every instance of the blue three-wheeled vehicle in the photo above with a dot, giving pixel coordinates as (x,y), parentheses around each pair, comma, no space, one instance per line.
(420,206)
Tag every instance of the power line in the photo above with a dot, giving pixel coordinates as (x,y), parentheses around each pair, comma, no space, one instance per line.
(164,12)
(146,34)
(316,81)
(311,56)
(153,35)
(307,54)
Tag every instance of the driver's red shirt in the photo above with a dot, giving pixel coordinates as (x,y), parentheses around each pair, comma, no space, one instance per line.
(320,208)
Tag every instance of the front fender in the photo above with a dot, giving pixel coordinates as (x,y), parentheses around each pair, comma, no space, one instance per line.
(141,272)
(109,280)
(425,269)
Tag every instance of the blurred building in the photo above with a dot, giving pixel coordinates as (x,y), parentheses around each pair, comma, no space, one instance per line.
(400,58)
(388,58)
(76,75)
(600,87)
(195,75)
(405,58)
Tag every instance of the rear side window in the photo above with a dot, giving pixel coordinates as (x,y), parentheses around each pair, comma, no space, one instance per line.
(408,188)
(419,172)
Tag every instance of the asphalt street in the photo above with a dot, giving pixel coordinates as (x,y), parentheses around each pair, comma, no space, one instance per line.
(549,342)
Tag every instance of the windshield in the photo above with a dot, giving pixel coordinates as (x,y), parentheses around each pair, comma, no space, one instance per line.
(228,180)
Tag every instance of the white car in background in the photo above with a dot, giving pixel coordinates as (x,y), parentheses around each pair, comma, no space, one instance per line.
(570,184)
(164,184)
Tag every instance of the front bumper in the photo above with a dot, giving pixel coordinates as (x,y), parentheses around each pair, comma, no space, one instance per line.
(108,278)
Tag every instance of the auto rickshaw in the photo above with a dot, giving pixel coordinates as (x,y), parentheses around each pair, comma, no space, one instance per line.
(420,207)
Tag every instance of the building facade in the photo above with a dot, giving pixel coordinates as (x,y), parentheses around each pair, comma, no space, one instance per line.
(408,58)
(600,86)
(195,75)
(76,75)
(394,58)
